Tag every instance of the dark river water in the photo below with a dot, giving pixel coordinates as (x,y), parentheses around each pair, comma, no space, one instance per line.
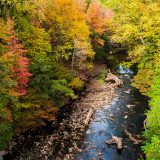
(126,112)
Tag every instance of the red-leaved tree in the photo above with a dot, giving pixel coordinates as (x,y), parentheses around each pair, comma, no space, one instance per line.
(98,18)
(20,64)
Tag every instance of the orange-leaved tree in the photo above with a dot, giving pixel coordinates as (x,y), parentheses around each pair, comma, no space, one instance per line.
(98,18)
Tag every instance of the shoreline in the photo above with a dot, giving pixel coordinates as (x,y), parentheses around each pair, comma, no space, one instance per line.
(64,139)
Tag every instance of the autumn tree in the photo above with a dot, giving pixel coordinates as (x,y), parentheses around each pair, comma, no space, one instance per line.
(14,78)
(97,17)
(137,27)
(44,46)
(69,32)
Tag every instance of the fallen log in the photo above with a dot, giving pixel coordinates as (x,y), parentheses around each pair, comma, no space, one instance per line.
(116,140)
(134,138)
(88,117)
(112,78)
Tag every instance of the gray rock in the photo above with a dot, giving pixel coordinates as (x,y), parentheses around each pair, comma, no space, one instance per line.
(1,158)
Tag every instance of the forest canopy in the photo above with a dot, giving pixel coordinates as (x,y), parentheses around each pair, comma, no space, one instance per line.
(45,50)
(136,26)
(48,46)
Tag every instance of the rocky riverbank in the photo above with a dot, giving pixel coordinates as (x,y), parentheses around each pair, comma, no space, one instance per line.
(64,140)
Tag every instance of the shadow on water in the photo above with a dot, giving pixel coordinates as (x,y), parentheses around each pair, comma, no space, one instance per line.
(126,112)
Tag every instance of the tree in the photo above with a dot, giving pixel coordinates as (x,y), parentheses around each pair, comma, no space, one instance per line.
(67,24)
(97,18)
(14,78)
(40,41)
(137,26)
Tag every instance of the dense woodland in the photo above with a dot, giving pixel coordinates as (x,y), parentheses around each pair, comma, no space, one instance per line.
(47,47)
(136,25)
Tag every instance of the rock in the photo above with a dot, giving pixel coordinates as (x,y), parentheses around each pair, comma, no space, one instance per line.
(3,152)
(111,115)
(130,105)
(127,92)
(125,117)
(1,157)
(126,75)
(88,132)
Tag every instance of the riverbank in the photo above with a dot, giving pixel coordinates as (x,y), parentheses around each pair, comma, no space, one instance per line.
(79,135)
(63,140)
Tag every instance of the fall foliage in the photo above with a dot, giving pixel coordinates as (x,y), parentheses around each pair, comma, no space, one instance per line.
(44,48)
(47,47)
(136,26)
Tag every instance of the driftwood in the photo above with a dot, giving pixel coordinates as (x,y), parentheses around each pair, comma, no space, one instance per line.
(88,117)
(134,138)
(112,78)
(116,140)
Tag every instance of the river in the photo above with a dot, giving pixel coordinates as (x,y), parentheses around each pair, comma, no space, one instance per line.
(126,112)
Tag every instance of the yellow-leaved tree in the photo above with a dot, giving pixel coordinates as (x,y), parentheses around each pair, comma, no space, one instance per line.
(66,21)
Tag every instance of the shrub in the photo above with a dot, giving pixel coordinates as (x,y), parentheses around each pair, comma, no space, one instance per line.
(77,84)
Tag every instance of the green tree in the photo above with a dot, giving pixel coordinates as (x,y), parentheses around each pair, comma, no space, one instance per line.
(136,26)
